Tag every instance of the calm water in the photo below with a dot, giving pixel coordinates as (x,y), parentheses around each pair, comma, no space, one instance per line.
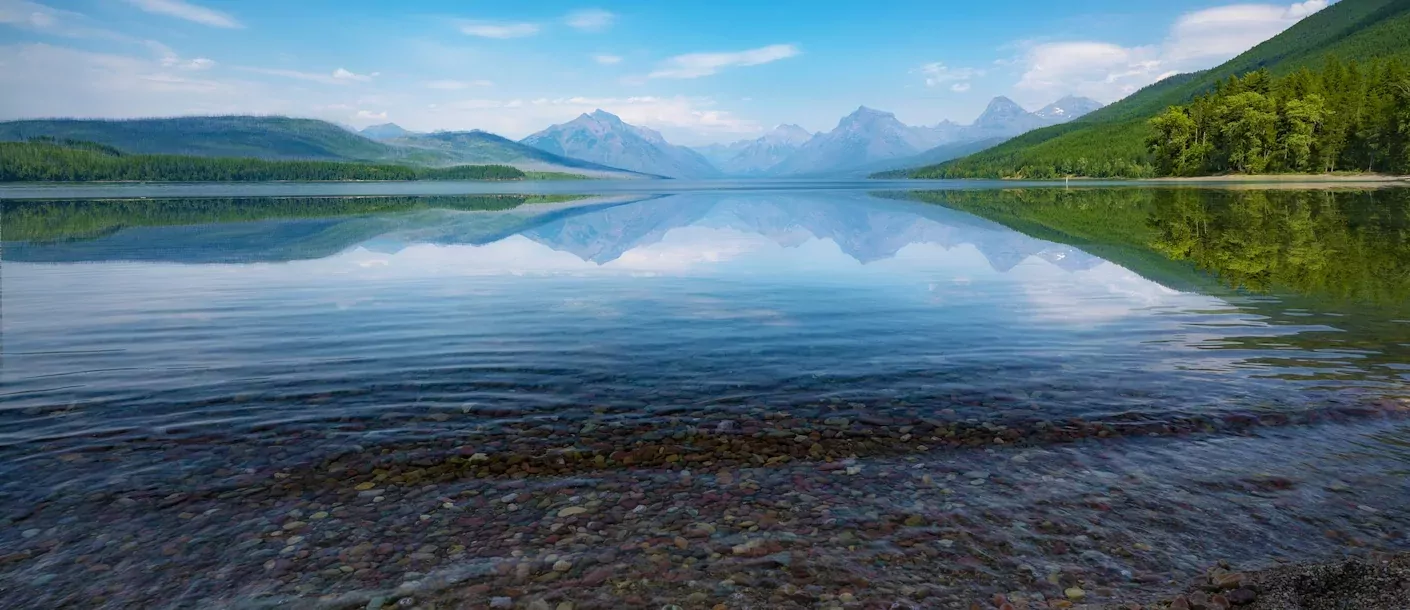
(160,348)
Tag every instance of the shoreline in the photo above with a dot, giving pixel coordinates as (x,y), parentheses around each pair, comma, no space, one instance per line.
(1377,582)
(735,510)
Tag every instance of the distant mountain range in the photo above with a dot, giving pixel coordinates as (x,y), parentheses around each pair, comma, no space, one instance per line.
(602,137)
(217,136)
(283,138)
(872,140)
(756,157)
(598,144)
(480,147)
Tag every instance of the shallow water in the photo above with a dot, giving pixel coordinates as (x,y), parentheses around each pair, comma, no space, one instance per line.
(181,376)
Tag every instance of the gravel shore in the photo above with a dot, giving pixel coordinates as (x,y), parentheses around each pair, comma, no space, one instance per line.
(1377,582)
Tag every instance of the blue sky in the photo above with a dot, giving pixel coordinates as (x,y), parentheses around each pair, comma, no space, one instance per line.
(697,71)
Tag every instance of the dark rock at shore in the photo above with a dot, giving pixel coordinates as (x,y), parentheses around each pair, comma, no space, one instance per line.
(1353,584)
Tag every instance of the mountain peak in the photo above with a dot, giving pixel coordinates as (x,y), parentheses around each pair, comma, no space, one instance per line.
(787,134)
(604,138)
(1002,103)
(1006,115)
(864,111)
(385,131)
(1068,108)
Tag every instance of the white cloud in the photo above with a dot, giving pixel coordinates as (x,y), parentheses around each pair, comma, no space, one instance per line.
(695,65)
(1100,70)
(457,85)
(590,20)
(60,81)
(189,12)
(1196,41)
(343,74)
(959,87)
(490,29)
(52,21)
(606,59)
(337,77)
(937,74)
(368,114)
(169,59)
(1220,33)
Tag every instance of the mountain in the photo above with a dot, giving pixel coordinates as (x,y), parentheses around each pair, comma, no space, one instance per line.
(1114,137)
(483,147)
(283,138)
(898,168)
(385,131)
(263,137)
(602,137)
(1067,109)
(871,140)
(758,156)
(865,136)
(1005,118)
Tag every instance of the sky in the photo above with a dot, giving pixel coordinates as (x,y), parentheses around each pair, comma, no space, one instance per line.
(699,72)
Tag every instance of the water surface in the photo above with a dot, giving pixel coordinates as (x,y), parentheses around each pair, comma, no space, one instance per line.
(178,351)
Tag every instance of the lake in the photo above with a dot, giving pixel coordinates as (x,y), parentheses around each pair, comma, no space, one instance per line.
(802,394)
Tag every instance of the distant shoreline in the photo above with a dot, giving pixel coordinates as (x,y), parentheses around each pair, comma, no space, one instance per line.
(1285,178)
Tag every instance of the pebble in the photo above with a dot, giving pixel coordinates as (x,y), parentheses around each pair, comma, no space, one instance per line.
(1075,593)
(571,510)
(501,602)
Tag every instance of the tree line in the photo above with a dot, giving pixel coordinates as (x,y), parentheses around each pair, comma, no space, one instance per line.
(1343,117)
(54,160)
(1339,247)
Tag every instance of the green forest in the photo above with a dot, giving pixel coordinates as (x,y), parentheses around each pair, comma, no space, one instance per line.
(1344,117)
(1336,246)
(1372,35)
(52,160)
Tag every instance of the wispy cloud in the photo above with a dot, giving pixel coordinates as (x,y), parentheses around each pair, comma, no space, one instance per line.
(343,74)
(61,81)
(937,74)
(189,12)
(959,87)
(169,58)
(340,76)
(1197,40)
(696,65)
(493,29)
(368,114)
(457,85)
(53,21)
(590,20)
(606,59)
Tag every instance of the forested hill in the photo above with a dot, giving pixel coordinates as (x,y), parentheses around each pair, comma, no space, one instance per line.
(1111,142)
(49,160)
(256,137)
